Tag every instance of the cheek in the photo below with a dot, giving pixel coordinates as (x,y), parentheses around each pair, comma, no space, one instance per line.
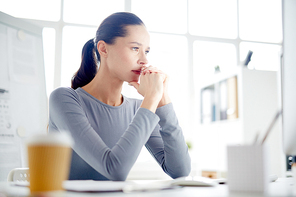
(126,57)
(119,57)
(122,61)
(126,63)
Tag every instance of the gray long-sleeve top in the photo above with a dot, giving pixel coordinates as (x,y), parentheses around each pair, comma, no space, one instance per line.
(109,139)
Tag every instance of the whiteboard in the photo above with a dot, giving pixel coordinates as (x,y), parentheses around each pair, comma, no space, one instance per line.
(23,100)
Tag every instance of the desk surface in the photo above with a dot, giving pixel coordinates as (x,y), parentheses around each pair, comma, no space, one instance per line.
(282,187)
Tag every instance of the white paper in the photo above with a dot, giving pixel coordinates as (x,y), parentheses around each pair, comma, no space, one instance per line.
(22,58)
(125,186)
(91,186)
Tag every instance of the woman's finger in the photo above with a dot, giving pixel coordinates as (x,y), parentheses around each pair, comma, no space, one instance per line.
(151,69)
(134,84)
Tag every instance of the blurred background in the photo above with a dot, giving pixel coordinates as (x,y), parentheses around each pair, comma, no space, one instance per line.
(189,39)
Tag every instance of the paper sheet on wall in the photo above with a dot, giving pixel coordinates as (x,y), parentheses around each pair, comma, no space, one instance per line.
(22,58)
(26,76)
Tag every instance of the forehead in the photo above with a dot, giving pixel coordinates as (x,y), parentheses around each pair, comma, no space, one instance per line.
(136,33)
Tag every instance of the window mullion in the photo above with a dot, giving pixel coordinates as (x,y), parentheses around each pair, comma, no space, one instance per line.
(190,81)
(58,48)
(128,5)
(238,40)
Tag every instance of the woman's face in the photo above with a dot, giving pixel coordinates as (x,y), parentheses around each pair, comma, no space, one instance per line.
(128,55)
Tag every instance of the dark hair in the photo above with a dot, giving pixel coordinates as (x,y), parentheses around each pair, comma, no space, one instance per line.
(111,28)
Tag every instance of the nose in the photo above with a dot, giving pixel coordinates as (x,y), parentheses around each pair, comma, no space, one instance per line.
(143,59)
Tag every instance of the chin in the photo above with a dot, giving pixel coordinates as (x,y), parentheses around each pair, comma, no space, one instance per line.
(134,80)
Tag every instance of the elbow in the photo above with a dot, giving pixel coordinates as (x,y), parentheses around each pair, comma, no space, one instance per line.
(117,172)
(182,170)
(185,171)
(120,175)
(115,169)
(187,167)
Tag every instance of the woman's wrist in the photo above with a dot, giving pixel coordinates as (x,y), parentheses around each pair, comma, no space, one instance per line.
(150,103)
(164,100)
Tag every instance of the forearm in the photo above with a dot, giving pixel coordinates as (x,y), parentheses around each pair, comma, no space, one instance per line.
(177,160)
(176,157)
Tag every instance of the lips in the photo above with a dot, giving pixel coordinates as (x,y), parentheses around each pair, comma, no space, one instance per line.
(138,72)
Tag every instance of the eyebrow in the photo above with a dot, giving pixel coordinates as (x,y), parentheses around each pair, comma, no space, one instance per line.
(137,43)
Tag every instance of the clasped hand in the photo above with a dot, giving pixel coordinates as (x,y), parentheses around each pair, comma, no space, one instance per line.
(153,84)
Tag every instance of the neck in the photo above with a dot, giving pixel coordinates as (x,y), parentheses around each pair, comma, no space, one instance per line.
(105,88)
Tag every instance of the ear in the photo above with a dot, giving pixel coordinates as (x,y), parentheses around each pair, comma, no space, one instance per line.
(102,48)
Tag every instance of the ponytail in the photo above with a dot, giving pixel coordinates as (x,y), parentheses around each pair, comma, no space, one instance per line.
(88,68)
(111,28)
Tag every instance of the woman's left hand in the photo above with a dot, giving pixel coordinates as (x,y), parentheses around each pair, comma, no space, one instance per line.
(165,97)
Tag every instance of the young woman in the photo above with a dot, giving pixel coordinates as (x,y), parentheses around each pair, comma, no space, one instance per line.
(109,129)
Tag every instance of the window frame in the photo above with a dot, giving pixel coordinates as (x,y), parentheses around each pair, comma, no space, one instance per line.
(59,25)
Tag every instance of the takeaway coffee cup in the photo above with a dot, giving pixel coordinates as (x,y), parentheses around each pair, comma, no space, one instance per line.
(49,161)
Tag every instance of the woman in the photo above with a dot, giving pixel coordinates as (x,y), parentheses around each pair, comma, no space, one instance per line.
(109,129)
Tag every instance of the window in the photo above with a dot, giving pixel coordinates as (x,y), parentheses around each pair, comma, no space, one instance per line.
(260,20)
(170,54)
(208,55)
(74,39)
(265,56)
(32,9)
(90,12)
(213,18)
(217,32)
(168,16)
(49,57)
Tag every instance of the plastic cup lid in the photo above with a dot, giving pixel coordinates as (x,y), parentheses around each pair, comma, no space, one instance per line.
(52,138)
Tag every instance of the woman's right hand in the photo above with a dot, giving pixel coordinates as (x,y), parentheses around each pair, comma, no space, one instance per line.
(150,87)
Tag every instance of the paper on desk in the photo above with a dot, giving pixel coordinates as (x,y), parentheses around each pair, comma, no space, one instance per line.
(148,185)
(94,186)
(113,186)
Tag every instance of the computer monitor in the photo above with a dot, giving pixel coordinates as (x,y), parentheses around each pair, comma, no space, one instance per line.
(288,77)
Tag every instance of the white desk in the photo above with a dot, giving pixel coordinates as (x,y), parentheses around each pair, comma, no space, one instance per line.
(282,187)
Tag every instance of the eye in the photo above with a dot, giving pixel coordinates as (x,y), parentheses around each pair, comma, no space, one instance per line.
(146,52)
(135,49)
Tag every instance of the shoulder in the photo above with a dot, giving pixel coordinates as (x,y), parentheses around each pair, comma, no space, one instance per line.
(63,94)
(63,90)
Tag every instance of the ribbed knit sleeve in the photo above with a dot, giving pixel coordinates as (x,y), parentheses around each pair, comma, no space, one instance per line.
(169,148)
